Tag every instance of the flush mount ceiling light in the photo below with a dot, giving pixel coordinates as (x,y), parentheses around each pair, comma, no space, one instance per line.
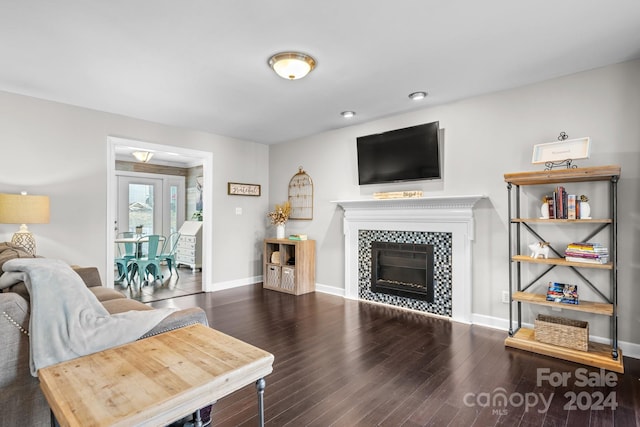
(142,156)
(348,114)
(416,96)
(292,65)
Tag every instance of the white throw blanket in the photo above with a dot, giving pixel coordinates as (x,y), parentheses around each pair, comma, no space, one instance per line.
(67,320)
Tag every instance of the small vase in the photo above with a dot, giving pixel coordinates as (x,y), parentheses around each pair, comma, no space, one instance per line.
(585,210)
(544,210)
(280,231)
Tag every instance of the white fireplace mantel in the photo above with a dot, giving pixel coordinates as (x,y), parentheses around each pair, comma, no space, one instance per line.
(434,202)
(453,214)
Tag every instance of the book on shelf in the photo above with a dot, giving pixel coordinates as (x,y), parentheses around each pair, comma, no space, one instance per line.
(552,208)
(560,204)
(598,260)
(562,293)
(585,255)
(298,237)
(586,245)
(571,206)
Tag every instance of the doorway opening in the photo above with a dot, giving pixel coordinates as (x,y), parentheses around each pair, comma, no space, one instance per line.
(170,217)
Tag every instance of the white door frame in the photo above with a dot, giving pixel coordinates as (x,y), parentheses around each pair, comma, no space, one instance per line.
(207,202)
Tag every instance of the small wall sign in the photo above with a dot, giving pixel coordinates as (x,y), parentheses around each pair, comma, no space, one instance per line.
(239,189)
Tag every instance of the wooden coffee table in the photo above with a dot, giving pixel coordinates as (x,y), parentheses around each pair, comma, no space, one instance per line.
(154,381)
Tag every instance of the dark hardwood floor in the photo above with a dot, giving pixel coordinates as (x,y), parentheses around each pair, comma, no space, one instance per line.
(344,363)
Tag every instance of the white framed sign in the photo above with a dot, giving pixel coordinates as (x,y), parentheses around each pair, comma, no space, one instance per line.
(239,189)
(570,149)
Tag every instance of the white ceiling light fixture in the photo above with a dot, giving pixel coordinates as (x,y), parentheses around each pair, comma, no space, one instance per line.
(416,96)
(292,65)
(142,156)
(348,114)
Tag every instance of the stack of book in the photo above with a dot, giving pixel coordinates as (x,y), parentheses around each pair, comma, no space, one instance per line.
(560,292)
(298,237)
(593,253)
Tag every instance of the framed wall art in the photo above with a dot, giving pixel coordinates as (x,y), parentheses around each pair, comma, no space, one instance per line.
(239,189)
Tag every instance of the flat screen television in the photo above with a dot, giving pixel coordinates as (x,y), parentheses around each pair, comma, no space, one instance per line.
(399,155)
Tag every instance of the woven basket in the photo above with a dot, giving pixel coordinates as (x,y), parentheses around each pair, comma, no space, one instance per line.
(563,332)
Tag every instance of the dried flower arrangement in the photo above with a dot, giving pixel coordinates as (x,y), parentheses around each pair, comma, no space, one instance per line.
(280,214)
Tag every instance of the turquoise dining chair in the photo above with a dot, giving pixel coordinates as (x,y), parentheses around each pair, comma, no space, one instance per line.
(126,252)
(169,252)
(143,266)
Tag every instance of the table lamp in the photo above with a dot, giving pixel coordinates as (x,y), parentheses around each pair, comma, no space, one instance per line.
(24,209)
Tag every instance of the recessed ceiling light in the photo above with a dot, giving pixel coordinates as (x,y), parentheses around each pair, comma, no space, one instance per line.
(416,96)
(292,65)
(348,114)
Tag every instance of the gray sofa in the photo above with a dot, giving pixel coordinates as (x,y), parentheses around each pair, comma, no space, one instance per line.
(21,401)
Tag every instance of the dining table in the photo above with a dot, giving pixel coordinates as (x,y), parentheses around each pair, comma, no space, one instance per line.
(138,240)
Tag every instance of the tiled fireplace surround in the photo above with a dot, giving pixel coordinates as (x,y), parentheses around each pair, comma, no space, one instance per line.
(444,222)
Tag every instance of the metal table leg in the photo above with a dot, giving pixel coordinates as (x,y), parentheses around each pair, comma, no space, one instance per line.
(260,385)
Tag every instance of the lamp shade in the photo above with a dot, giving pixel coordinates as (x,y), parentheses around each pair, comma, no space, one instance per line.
(24,209)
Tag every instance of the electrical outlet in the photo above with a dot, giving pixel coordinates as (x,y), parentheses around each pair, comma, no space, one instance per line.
(505,297)
(238,211)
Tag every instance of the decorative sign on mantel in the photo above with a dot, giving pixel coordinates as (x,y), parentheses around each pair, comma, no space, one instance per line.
(435,202)
(398,195)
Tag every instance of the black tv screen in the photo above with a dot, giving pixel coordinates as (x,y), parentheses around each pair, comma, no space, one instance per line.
(399,155)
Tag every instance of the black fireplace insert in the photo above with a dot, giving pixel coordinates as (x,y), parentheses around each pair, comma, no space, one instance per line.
(402,269)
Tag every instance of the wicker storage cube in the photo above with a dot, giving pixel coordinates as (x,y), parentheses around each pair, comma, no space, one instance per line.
(288,278)
(273,276)
(561,331)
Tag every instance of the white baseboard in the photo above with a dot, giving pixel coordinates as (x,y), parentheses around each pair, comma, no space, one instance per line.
(332,290)
(220,286)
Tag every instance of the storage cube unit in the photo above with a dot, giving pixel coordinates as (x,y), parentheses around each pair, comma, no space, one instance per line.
(290,266)
(189,250)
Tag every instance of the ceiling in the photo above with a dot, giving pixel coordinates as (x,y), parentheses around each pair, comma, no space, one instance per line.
(202,64)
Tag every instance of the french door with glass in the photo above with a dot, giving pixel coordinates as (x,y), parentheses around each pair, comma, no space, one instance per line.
(156,203)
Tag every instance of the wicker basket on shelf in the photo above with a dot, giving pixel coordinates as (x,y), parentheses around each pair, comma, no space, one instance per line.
(562,332)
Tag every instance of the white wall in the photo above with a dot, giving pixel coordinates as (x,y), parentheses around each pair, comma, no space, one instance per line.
(485,137)
(61,151)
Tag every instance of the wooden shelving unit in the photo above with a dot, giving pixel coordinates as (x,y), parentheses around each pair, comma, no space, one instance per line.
(289,266)
(598,355)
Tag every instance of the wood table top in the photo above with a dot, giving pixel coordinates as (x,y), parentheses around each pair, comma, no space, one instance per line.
(153,381)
